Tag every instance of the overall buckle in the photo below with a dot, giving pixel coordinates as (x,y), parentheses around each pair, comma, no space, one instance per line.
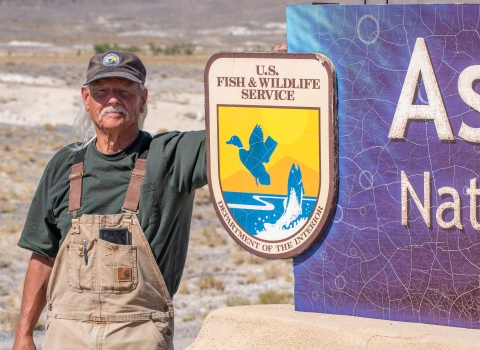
(128,220)
(74,213)
(129,212)
(75,225)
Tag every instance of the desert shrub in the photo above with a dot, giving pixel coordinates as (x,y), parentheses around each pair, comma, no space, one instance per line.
(188,49)
(251,278)
(161,131)
(287,272)
(258,48)
(197,215)
(14,194)
(42,163)
(178,49)
(11,226)
(183,289)
(202,196)
(210,237)
(48,127)
(273,297)
(155,49)
(208,281)
(188,318)
(105,47)
(56,146)
(255,260)
(130,48)
(7,208)
(9,169)
(235,300)
(240,256)
(5,261)
(279,269)
(9,320)
(205,314)
(273,270)
(172,49)
(26,154)
(287,276)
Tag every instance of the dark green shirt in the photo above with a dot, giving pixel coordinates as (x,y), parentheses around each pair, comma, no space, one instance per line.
(176,166)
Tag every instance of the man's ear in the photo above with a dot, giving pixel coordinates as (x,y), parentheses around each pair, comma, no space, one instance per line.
(85,98)
(144,98)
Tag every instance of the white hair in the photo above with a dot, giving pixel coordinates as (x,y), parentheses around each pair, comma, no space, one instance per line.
(84,129)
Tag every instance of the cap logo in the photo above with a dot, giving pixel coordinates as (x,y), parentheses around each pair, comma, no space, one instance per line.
(111,59)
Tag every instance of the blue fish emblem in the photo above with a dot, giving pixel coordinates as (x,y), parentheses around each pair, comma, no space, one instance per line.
(293,216)
(258,154)
(295,187)
(292,205)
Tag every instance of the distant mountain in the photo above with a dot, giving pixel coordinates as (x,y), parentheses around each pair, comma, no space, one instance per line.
(217,24)
(242,181)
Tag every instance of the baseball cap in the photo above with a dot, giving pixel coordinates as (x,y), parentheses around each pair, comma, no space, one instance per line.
(116,64)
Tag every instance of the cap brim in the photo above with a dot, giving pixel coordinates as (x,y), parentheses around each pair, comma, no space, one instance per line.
(127,76)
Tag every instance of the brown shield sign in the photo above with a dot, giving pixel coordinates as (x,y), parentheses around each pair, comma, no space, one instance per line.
(272,153)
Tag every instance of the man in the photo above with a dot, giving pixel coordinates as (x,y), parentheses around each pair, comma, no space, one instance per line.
(109,223)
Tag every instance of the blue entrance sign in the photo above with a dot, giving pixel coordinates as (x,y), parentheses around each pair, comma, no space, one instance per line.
(404,241)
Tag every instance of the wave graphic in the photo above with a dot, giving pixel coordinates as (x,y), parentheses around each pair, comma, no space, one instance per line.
(267,205)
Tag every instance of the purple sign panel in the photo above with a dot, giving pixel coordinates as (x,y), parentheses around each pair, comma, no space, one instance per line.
(404,241)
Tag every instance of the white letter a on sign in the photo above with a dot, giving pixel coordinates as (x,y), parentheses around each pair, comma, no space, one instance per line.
(420,64)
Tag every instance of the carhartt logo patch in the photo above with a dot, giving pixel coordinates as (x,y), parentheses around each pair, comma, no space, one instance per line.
(124,274)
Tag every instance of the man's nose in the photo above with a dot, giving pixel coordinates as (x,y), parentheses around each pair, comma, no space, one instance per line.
(114,99)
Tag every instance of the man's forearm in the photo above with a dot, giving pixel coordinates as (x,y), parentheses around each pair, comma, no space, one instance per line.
(34,293)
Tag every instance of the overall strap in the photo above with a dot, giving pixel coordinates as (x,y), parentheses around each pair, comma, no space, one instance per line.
(75,178)
(133,193)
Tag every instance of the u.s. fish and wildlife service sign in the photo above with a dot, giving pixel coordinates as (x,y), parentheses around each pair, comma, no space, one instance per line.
(271,134)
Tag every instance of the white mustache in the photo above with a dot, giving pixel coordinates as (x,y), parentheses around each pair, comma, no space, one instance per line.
(113,109)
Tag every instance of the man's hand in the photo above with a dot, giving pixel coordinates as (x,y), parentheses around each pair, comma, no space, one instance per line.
(24,343)
(280,48)
(33,300)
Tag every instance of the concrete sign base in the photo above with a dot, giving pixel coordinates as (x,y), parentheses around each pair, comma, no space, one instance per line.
(280,327)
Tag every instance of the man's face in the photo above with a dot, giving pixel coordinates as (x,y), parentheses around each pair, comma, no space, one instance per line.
(114,104)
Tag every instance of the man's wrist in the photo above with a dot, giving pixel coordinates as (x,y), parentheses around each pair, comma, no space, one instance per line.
(24,330)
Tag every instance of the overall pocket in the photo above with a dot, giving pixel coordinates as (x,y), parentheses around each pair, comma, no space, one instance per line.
(111,268)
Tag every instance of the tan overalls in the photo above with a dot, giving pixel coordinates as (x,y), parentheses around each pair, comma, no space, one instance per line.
(116,298)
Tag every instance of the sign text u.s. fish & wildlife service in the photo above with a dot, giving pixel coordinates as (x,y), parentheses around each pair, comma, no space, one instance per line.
(271,143)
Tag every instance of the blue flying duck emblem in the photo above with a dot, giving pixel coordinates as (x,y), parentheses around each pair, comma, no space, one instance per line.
(258,154)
